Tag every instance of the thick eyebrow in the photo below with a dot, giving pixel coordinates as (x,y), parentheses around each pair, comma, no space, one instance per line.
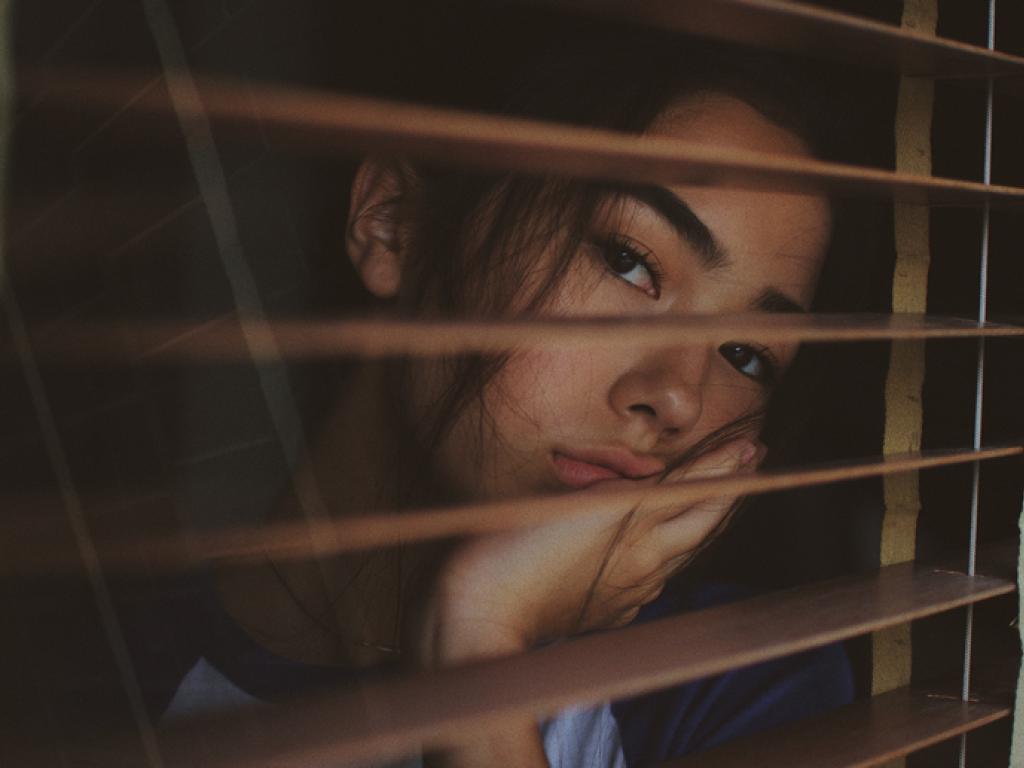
(773,300)
(682,219)
(688,225)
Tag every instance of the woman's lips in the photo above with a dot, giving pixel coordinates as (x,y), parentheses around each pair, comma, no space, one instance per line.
(582,468)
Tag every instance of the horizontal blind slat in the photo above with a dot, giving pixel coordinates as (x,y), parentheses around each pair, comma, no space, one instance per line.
(377,530)
(442,707)
(800,28)
(864,733)
(229,338)
(322,122)
(30,550)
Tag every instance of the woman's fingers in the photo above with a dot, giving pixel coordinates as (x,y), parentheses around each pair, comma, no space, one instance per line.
(679,536)
(687,528)
(737,454)
(740,455)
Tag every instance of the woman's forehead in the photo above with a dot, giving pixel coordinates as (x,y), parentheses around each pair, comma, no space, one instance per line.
(720,119)
(771,236)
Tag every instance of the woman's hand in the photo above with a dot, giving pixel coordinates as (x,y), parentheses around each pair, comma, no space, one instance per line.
(502,593)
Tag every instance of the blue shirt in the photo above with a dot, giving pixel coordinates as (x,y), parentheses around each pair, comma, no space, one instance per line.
(223,667)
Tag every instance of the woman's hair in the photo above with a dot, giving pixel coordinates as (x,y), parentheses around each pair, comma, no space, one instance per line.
(476,236)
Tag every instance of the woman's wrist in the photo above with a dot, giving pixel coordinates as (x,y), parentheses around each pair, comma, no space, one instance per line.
(456,643)
(453,629)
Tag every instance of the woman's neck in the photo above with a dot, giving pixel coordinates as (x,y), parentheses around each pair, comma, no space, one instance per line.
(335,608)
(352,464)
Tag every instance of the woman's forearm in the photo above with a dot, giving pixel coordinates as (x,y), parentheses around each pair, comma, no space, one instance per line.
(447,639)
(514,744)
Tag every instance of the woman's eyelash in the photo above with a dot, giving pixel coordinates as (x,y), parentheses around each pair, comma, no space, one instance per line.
(635,265)
(751,360)
(631,263)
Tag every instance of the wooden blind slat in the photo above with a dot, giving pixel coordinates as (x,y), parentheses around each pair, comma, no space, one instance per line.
(30,551)
(800,28)
(227,338)
(329,122)
(391,717)
(381,529)
(864,733)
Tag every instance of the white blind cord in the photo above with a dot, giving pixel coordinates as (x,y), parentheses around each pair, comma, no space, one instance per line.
(979,386)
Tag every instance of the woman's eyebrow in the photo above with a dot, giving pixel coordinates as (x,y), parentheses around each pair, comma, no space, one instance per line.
(774,300)
(688,225)
(683,220)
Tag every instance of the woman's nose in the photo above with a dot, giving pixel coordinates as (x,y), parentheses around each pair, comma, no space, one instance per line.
(664,391)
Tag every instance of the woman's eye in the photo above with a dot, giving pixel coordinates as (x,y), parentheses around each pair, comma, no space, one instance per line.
(753,362)
(629,263)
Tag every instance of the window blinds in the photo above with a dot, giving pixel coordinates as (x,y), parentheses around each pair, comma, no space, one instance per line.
(396,717)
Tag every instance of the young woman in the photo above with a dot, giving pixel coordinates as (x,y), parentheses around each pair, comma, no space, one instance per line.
(430,242)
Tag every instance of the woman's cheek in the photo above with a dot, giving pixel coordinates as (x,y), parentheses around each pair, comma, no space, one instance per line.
(556,391)
(729,396)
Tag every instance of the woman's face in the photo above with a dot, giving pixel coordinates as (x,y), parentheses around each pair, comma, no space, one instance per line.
(569,418)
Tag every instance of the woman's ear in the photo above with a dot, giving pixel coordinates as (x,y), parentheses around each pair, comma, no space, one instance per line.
(373,239)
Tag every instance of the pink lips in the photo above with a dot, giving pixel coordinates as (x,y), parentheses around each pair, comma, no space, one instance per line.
(582,468)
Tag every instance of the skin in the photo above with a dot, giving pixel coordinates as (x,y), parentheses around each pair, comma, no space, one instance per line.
(504,593)
(580,399)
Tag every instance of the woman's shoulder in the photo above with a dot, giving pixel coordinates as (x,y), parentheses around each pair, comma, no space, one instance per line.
(191,654)
(281,607)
